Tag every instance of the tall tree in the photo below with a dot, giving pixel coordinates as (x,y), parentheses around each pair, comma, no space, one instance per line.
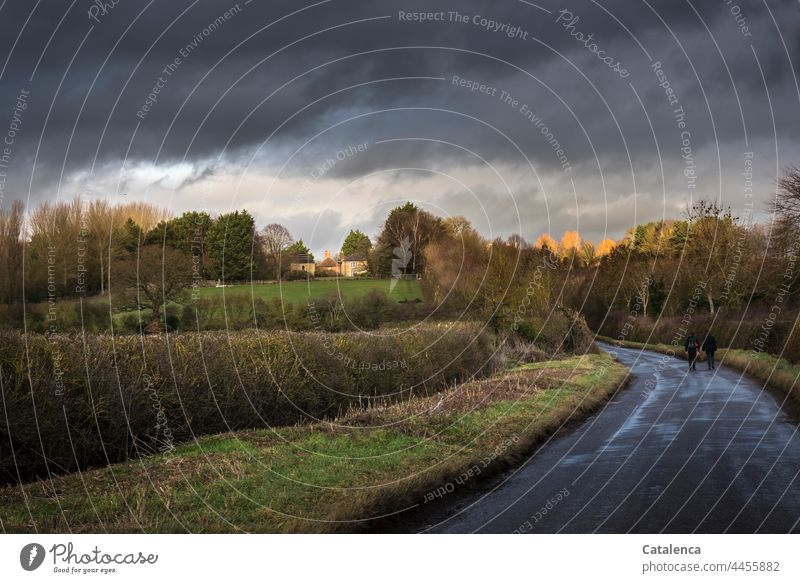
(187,233)
(787,200)
(405,234)
(678,238)
(356,243)
(518,241)
(53,249)
(714,237)
(455,265)
(605,247)
(298,251)
(570,243)
(152,278)
(275,239)
(230,246)
(545,241)
(11,249)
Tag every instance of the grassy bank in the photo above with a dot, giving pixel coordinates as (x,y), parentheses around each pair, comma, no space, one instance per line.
(776,372)
(324,477)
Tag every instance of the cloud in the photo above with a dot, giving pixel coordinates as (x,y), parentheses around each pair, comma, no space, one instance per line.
(227,102)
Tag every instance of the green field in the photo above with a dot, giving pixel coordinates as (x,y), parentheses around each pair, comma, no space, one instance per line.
(296,293)
(300,291)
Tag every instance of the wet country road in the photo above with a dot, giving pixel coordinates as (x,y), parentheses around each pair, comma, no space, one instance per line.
(708,452)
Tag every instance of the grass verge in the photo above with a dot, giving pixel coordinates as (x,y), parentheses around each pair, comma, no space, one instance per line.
(325,477)
(775,372)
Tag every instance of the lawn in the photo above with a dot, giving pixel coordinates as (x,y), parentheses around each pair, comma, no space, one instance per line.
(301,291)
(324,477)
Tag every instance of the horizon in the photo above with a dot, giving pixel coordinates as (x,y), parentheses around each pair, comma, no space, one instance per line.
(532,240)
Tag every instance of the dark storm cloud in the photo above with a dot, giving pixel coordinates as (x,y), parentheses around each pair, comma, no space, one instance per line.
(165,81)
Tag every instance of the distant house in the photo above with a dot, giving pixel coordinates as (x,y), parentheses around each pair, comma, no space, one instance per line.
(308,267)
(328,263)
(353,265)
(303,262)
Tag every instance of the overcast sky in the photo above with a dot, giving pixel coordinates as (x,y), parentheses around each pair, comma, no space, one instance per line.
(324,115)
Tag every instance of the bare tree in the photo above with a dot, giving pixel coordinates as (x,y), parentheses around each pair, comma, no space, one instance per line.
(276,239)
(143,214)
(10,253)
(101,221)
(787,202)
(716,244)
(518,241)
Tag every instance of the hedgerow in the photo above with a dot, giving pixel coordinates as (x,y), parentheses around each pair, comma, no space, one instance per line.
(72,401)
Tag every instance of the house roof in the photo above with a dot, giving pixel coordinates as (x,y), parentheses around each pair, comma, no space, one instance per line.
(301,258)
(328,262)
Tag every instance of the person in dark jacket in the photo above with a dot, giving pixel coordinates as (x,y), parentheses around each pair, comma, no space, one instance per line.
(710,347)
(691,350)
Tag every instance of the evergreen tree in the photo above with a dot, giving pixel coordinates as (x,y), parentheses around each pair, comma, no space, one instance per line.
(230,246)
(356,242)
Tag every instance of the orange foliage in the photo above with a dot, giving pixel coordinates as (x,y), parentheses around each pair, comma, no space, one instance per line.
(571,240)
(546,240)
(605,247)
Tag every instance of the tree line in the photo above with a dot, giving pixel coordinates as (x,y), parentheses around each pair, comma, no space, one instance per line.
(709,264)
(79,248)
(709,269)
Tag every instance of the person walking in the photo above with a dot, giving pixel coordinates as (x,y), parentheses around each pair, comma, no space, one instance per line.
(691,350)
(710,347)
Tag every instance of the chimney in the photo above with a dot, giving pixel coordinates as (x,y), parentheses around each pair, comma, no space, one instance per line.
(327,254)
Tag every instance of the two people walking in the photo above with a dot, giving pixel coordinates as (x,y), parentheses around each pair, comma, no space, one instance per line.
(692,346)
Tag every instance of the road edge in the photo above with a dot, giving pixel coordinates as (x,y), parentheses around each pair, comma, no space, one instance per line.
(512,458)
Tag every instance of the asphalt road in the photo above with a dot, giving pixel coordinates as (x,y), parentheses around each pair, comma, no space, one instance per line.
(676,452)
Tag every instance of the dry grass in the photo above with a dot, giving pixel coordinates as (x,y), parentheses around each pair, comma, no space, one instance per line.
(775,372)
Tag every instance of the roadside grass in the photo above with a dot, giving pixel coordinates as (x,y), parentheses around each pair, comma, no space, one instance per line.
(324,477)
(296,292)
(776,372)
